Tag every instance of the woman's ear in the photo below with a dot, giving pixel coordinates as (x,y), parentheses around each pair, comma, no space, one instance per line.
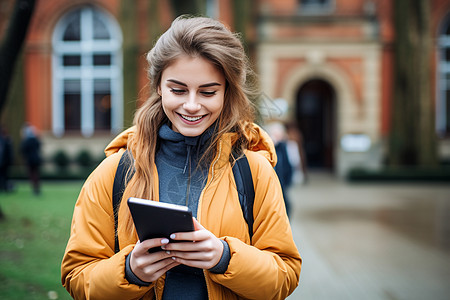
(158,90)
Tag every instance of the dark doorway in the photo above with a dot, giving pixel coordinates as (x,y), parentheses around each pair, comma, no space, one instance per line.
(315,113)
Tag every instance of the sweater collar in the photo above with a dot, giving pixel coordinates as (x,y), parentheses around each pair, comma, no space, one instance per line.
(181,150)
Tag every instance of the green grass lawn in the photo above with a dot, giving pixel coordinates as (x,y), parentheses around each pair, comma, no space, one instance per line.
(33,236)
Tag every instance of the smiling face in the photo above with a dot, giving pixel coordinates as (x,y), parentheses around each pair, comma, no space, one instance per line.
(192,91)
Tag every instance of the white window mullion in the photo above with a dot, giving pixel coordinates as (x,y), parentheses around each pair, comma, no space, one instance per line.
(87,88)
(87,96)
(87,107)
(58,93)
(116,99)
(86,25)
(443,82)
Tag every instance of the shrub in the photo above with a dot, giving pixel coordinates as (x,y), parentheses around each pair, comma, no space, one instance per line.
(61,159)
(84,159)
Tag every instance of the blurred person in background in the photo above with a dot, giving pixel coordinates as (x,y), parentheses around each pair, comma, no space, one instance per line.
(6,159)
(31,153)
(283,168)
(296,152)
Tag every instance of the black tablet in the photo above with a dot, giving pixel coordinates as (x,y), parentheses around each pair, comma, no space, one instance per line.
(154,219)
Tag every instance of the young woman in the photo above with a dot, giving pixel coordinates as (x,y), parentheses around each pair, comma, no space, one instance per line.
(183,146)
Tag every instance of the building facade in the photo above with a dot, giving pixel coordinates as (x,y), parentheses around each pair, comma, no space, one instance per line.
(329,62)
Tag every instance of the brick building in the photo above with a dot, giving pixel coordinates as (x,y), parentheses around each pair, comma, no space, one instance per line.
(330,61)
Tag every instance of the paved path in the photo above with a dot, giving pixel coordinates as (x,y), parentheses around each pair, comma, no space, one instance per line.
(372,241)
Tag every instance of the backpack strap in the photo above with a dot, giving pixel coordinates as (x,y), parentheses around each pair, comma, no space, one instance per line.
(118,189)
(244,184)
(242,175)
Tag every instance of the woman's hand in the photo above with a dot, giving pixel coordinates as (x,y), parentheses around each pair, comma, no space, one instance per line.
(150,266)
(199,248)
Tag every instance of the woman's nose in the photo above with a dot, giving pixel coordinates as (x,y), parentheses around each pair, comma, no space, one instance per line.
(191,104)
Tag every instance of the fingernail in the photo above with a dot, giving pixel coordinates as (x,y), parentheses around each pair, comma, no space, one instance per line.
(168,252)
(172,236)
(165,241)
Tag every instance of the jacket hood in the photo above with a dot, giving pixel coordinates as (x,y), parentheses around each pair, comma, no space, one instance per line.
(259,142)
(120,141)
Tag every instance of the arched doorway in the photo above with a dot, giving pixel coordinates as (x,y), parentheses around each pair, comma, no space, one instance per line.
(316,118)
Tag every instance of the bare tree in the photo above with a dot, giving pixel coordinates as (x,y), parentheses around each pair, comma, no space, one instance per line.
(11,45)
(12,42)
(412,140)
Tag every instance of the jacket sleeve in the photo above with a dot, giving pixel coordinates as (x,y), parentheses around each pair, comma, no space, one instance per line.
(270,268)
(90,269)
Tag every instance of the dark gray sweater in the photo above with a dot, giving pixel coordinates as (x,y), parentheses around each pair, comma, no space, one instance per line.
(181,181)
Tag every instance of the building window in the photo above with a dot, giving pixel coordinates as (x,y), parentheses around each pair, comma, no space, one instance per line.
(443,103)
(316,6)
(212,8)
(87,73)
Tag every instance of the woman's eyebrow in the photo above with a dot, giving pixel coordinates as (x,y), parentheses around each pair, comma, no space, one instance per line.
(202,86)
(177,82)
(210,84)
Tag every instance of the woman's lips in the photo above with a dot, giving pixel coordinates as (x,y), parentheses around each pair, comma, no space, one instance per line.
(191,119)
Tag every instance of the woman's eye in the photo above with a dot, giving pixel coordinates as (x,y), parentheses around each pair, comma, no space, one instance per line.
(208,94)
(177,91)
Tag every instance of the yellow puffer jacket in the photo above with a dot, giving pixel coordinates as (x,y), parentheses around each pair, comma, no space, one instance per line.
(267,269)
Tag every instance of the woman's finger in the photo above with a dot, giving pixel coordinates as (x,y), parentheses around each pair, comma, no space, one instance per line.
(197,224)
(142,248)
(151,272)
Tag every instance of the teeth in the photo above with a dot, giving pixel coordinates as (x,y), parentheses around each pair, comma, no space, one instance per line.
(191,119)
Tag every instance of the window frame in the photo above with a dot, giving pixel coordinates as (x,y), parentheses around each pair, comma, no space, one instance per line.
(443,79)
(87,72)
(316,9)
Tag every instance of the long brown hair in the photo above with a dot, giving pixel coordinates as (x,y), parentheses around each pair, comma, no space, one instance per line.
(192,36)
